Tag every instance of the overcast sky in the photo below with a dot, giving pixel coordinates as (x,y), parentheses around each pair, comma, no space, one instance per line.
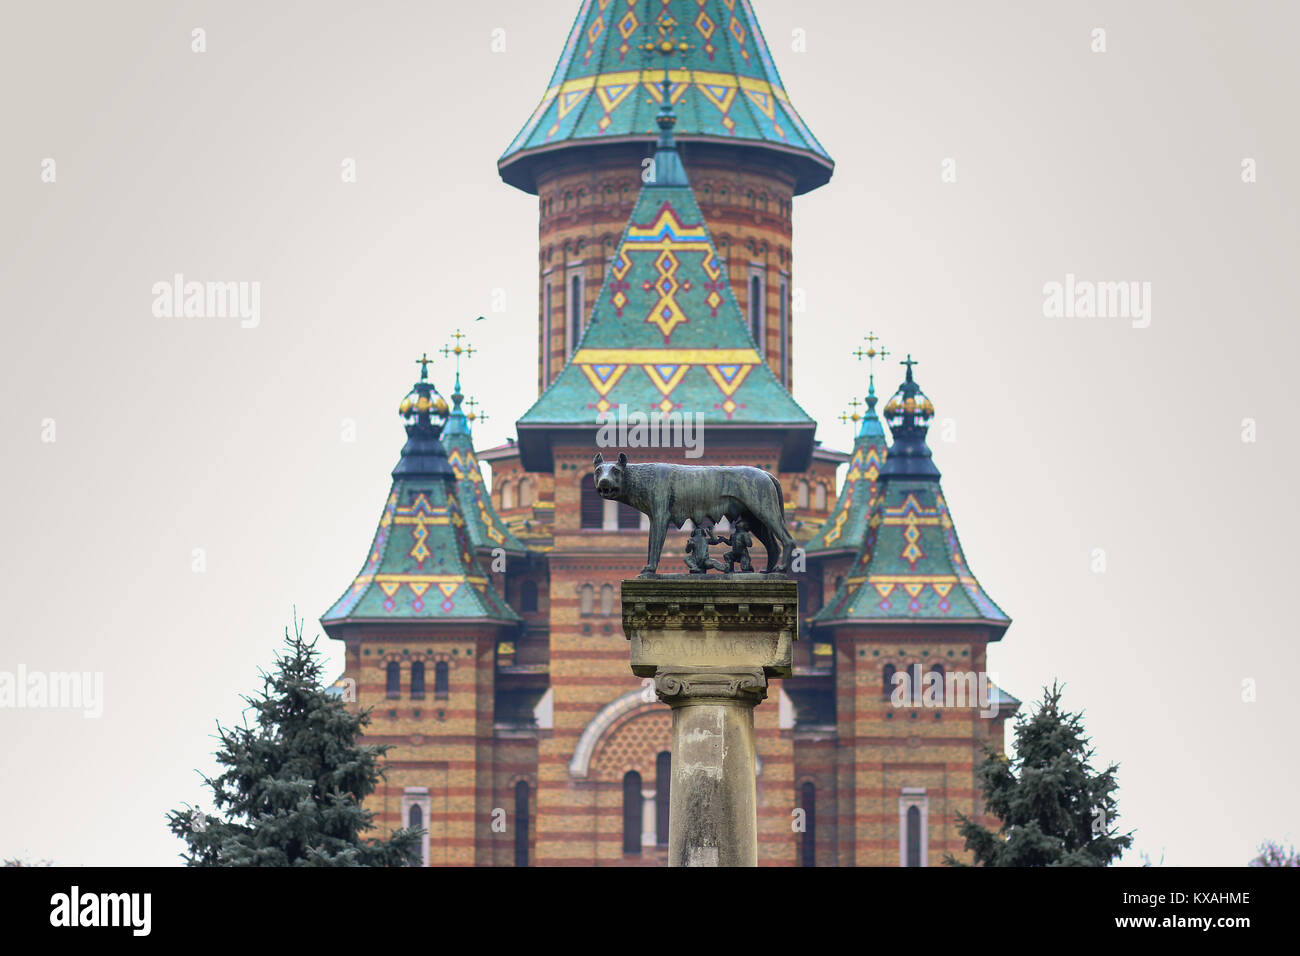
(174,487)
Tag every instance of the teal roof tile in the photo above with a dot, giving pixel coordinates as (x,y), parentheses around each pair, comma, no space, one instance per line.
(486,528)
(724,88)
(666,334)
(847,524)
(421,564)
(910,565)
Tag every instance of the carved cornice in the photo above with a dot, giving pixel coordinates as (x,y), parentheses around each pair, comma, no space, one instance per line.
(678,687)
(718,605)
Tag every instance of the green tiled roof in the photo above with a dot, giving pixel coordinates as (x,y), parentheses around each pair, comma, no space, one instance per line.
(666,333)
(910,565)
(847,525)
(421,564)
(486,529)
(725,88)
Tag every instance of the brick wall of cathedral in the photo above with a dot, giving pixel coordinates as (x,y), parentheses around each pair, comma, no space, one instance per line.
(842,783)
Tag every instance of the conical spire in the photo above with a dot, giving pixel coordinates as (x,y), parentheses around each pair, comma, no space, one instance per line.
(847,524)
(485,526)
(667,335)
(421,563)
(725,86)
(910,565)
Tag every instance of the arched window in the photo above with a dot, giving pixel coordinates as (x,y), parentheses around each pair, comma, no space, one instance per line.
(415,817)
(663,795)
(808,848)
(417,680)
(756,310)
(801,494)
(632,811)
(913,835)
(507,496)
(441,679)
(521,823)
(839,581)
(586,595)
(528,597)
(394,679)
(887,679)
(526,496)
(819,497)
(607,599)
(591,506)
(939,691)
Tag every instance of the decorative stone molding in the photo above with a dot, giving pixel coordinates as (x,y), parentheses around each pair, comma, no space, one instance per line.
(679,686)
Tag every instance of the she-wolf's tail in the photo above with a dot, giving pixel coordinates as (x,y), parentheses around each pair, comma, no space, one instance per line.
(780,495)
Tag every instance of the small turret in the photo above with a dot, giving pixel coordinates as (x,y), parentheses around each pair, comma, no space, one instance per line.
(421,563)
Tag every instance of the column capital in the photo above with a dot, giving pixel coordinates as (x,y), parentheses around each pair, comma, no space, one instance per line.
(681,686)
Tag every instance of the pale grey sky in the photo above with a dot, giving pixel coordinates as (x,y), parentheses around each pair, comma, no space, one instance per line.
(1069,435)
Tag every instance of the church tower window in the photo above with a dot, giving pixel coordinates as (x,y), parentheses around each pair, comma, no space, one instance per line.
(632,812)
(528,597)
(663,795)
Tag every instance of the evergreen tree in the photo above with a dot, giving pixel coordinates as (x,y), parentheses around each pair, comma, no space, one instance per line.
(1272,853)
(1056,810)
(294,781)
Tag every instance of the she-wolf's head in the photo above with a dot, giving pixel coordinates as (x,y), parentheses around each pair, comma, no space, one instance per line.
(609,477)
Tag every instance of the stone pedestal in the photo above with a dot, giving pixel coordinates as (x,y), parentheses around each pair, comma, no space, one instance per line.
(711,642)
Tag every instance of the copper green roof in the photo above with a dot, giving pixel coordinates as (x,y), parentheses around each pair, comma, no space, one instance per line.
(910,565)
(666,334)
(486,529)
(421,564)
(847,525)
(725,88)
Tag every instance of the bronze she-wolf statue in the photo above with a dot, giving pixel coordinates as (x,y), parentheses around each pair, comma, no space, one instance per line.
(704,494)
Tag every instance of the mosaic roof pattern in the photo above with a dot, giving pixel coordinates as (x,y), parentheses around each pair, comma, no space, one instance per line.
(666,333)
(847,524)
(421,564)
(725,88)
(486,528)
(910,564)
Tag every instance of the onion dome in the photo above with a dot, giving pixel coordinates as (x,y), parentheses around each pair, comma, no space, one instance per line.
(908,414)
(425,413)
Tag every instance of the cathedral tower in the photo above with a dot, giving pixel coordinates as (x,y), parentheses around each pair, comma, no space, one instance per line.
(421,624)
(583,153)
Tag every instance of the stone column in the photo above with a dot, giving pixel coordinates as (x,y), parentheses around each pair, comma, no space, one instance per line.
(711,642)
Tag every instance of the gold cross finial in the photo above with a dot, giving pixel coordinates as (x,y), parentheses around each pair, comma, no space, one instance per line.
(454,348)
(424,361)
(871,353)
(473,415)
(852,416)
